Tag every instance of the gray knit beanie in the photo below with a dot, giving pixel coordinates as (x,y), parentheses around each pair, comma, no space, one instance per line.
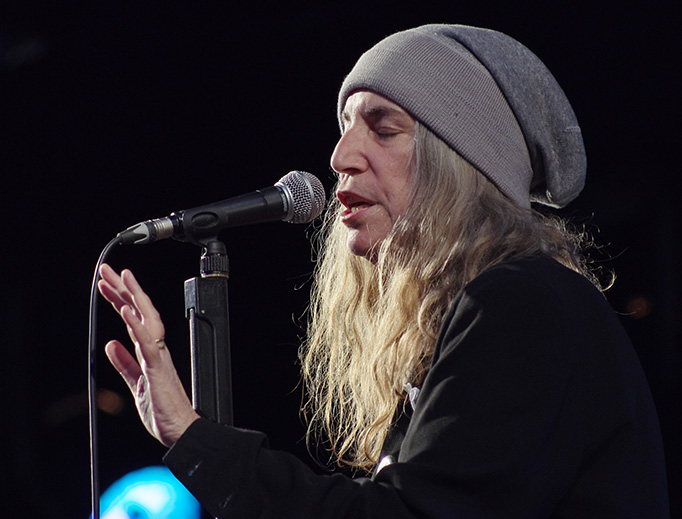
(489,98)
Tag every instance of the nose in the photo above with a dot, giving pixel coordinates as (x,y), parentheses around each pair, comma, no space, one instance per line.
(349,157)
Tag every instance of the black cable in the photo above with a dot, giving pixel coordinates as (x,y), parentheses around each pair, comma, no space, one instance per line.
(92,385)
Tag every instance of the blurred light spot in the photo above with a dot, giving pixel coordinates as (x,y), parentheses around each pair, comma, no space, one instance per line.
(150,493)
(110,402)
(71,406)
(639,307)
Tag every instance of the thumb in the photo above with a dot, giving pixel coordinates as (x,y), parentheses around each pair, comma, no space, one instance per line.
(124,363)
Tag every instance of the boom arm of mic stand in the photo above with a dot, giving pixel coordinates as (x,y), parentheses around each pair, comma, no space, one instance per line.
(206,308)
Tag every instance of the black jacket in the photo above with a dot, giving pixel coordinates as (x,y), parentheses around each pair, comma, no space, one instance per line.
(535,406)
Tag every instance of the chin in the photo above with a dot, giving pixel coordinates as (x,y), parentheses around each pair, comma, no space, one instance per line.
(357,250)
(361,247)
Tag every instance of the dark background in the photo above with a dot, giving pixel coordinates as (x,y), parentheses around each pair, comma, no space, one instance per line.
(113,113)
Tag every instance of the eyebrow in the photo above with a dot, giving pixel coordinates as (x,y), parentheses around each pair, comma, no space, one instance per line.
(382,111)
(377,112)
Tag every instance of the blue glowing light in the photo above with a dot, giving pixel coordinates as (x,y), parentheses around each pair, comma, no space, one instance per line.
(148,493)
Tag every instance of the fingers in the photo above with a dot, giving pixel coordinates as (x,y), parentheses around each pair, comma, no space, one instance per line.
(124,291)
(147,348)
(143,304)
(113,289)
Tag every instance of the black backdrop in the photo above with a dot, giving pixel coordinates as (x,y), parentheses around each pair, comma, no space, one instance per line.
(113,114)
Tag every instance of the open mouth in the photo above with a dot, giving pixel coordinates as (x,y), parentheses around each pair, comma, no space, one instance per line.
(354,209)
(358,206)
(353,203)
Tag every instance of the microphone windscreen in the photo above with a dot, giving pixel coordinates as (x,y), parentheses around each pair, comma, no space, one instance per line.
(305,195)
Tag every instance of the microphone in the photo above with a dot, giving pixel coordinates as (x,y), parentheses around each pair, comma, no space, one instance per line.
(297,197)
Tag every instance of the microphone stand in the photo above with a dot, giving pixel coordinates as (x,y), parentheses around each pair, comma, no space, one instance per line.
(206,308)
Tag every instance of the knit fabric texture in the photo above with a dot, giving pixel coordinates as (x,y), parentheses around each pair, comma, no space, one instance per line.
(489,98)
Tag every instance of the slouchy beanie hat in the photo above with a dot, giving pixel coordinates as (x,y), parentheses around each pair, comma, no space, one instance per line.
(489,98)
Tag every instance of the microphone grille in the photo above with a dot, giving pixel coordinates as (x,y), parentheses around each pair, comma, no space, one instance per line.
(305,194)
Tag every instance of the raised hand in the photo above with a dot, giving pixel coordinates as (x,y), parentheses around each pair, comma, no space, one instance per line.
(163,405)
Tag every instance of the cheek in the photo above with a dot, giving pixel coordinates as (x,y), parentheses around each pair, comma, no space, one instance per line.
(400,198)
